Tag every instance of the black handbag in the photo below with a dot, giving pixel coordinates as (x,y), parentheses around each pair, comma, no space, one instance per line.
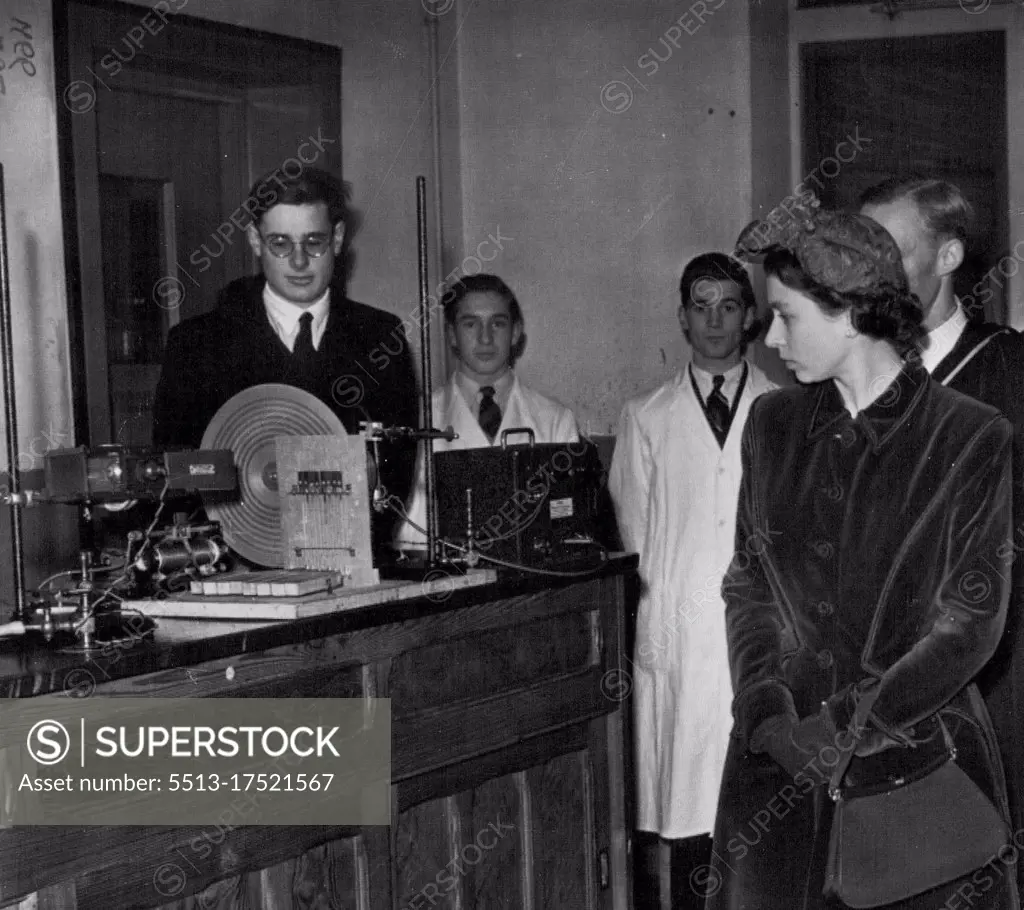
(906,831)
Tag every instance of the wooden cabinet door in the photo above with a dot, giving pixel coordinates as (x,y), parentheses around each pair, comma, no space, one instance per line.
(535,838)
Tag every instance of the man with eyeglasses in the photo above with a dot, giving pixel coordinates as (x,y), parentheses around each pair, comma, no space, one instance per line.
(294,325)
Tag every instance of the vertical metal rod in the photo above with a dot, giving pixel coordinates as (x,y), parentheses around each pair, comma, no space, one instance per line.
(426,385)
(10,408)
(435,92)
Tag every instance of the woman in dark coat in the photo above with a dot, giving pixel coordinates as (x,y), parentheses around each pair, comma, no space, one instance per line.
(882,597)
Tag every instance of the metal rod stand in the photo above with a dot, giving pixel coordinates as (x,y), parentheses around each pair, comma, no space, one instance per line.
(426,383)
(10,410)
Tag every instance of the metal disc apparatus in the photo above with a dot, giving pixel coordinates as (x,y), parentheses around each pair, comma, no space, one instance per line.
(304,489)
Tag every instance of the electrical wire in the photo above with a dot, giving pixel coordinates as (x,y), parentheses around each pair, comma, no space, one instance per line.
(109,590)
(401,511)
(122,506)
(92,569)
(534,569)
(518,528)
(46,581)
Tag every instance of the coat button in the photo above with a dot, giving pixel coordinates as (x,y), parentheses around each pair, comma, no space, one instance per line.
(825,608)
(848,437)
(825,659)
(834,492)
(823,549)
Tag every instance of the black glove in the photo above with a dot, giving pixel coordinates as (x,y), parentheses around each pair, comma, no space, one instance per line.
(798,745)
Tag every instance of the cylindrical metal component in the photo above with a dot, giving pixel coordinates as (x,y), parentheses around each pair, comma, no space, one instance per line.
(10,408)
(166,556)
(85,630)
(175,554)
(206,552)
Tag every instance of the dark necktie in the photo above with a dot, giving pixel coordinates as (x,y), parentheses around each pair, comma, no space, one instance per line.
(718,410)
(304,340)
(490,413)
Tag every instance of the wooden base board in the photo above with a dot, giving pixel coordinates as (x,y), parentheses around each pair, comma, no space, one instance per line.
(438,587)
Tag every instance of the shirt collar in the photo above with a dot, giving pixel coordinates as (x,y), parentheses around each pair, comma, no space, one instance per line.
(943,338)
(733,373)
(706,381)
(883,417)
(470,388)
(286,314)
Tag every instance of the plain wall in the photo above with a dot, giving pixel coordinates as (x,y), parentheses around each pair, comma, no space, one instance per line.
(609,170)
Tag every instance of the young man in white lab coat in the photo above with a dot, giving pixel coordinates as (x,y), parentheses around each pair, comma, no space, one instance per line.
(483,397)
(675,479)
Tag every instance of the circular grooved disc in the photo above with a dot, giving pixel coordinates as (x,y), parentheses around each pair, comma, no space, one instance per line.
(247,425)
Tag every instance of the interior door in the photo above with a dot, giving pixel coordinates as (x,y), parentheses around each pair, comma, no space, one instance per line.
(167,133)
(934,105)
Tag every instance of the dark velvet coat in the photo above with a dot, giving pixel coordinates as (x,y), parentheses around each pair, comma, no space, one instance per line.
(880,571)
(996,376)
(363,370)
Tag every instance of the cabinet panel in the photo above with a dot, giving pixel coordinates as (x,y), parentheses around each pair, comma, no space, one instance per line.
(562,823)
(314,879)
(491,662)
(520,840)
(498,844)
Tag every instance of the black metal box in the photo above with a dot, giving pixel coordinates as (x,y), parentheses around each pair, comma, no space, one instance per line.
(525,505)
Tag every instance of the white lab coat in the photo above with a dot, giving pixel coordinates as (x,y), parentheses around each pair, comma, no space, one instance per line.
(675,493)
(550,422)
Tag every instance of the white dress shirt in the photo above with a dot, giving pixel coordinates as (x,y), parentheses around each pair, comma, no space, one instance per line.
(470,389)
(284,316)
(943,338)
(706,381)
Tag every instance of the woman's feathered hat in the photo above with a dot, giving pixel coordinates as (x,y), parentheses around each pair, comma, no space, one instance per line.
(843,251)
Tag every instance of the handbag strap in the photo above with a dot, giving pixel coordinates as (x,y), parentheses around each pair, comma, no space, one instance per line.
(846,756)
(974,352)
(838,772)
(864,701)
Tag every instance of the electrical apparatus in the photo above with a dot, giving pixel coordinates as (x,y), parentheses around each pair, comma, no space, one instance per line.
(524,506)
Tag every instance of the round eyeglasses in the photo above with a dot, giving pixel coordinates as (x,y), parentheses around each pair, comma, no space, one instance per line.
(281,245)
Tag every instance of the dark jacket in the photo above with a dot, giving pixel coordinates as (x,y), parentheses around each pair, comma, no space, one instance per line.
(995,375)
(363,370)
(879,572)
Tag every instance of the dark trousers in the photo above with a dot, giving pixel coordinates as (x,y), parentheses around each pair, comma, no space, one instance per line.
(689,868)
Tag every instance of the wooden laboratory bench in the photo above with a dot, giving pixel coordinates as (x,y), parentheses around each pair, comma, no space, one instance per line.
(510,752)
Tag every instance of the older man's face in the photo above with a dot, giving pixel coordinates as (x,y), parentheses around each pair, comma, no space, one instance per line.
(919,250)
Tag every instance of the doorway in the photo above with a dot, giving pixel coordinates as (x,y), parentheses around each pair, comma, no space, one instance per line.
(934,105)
(167,122)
